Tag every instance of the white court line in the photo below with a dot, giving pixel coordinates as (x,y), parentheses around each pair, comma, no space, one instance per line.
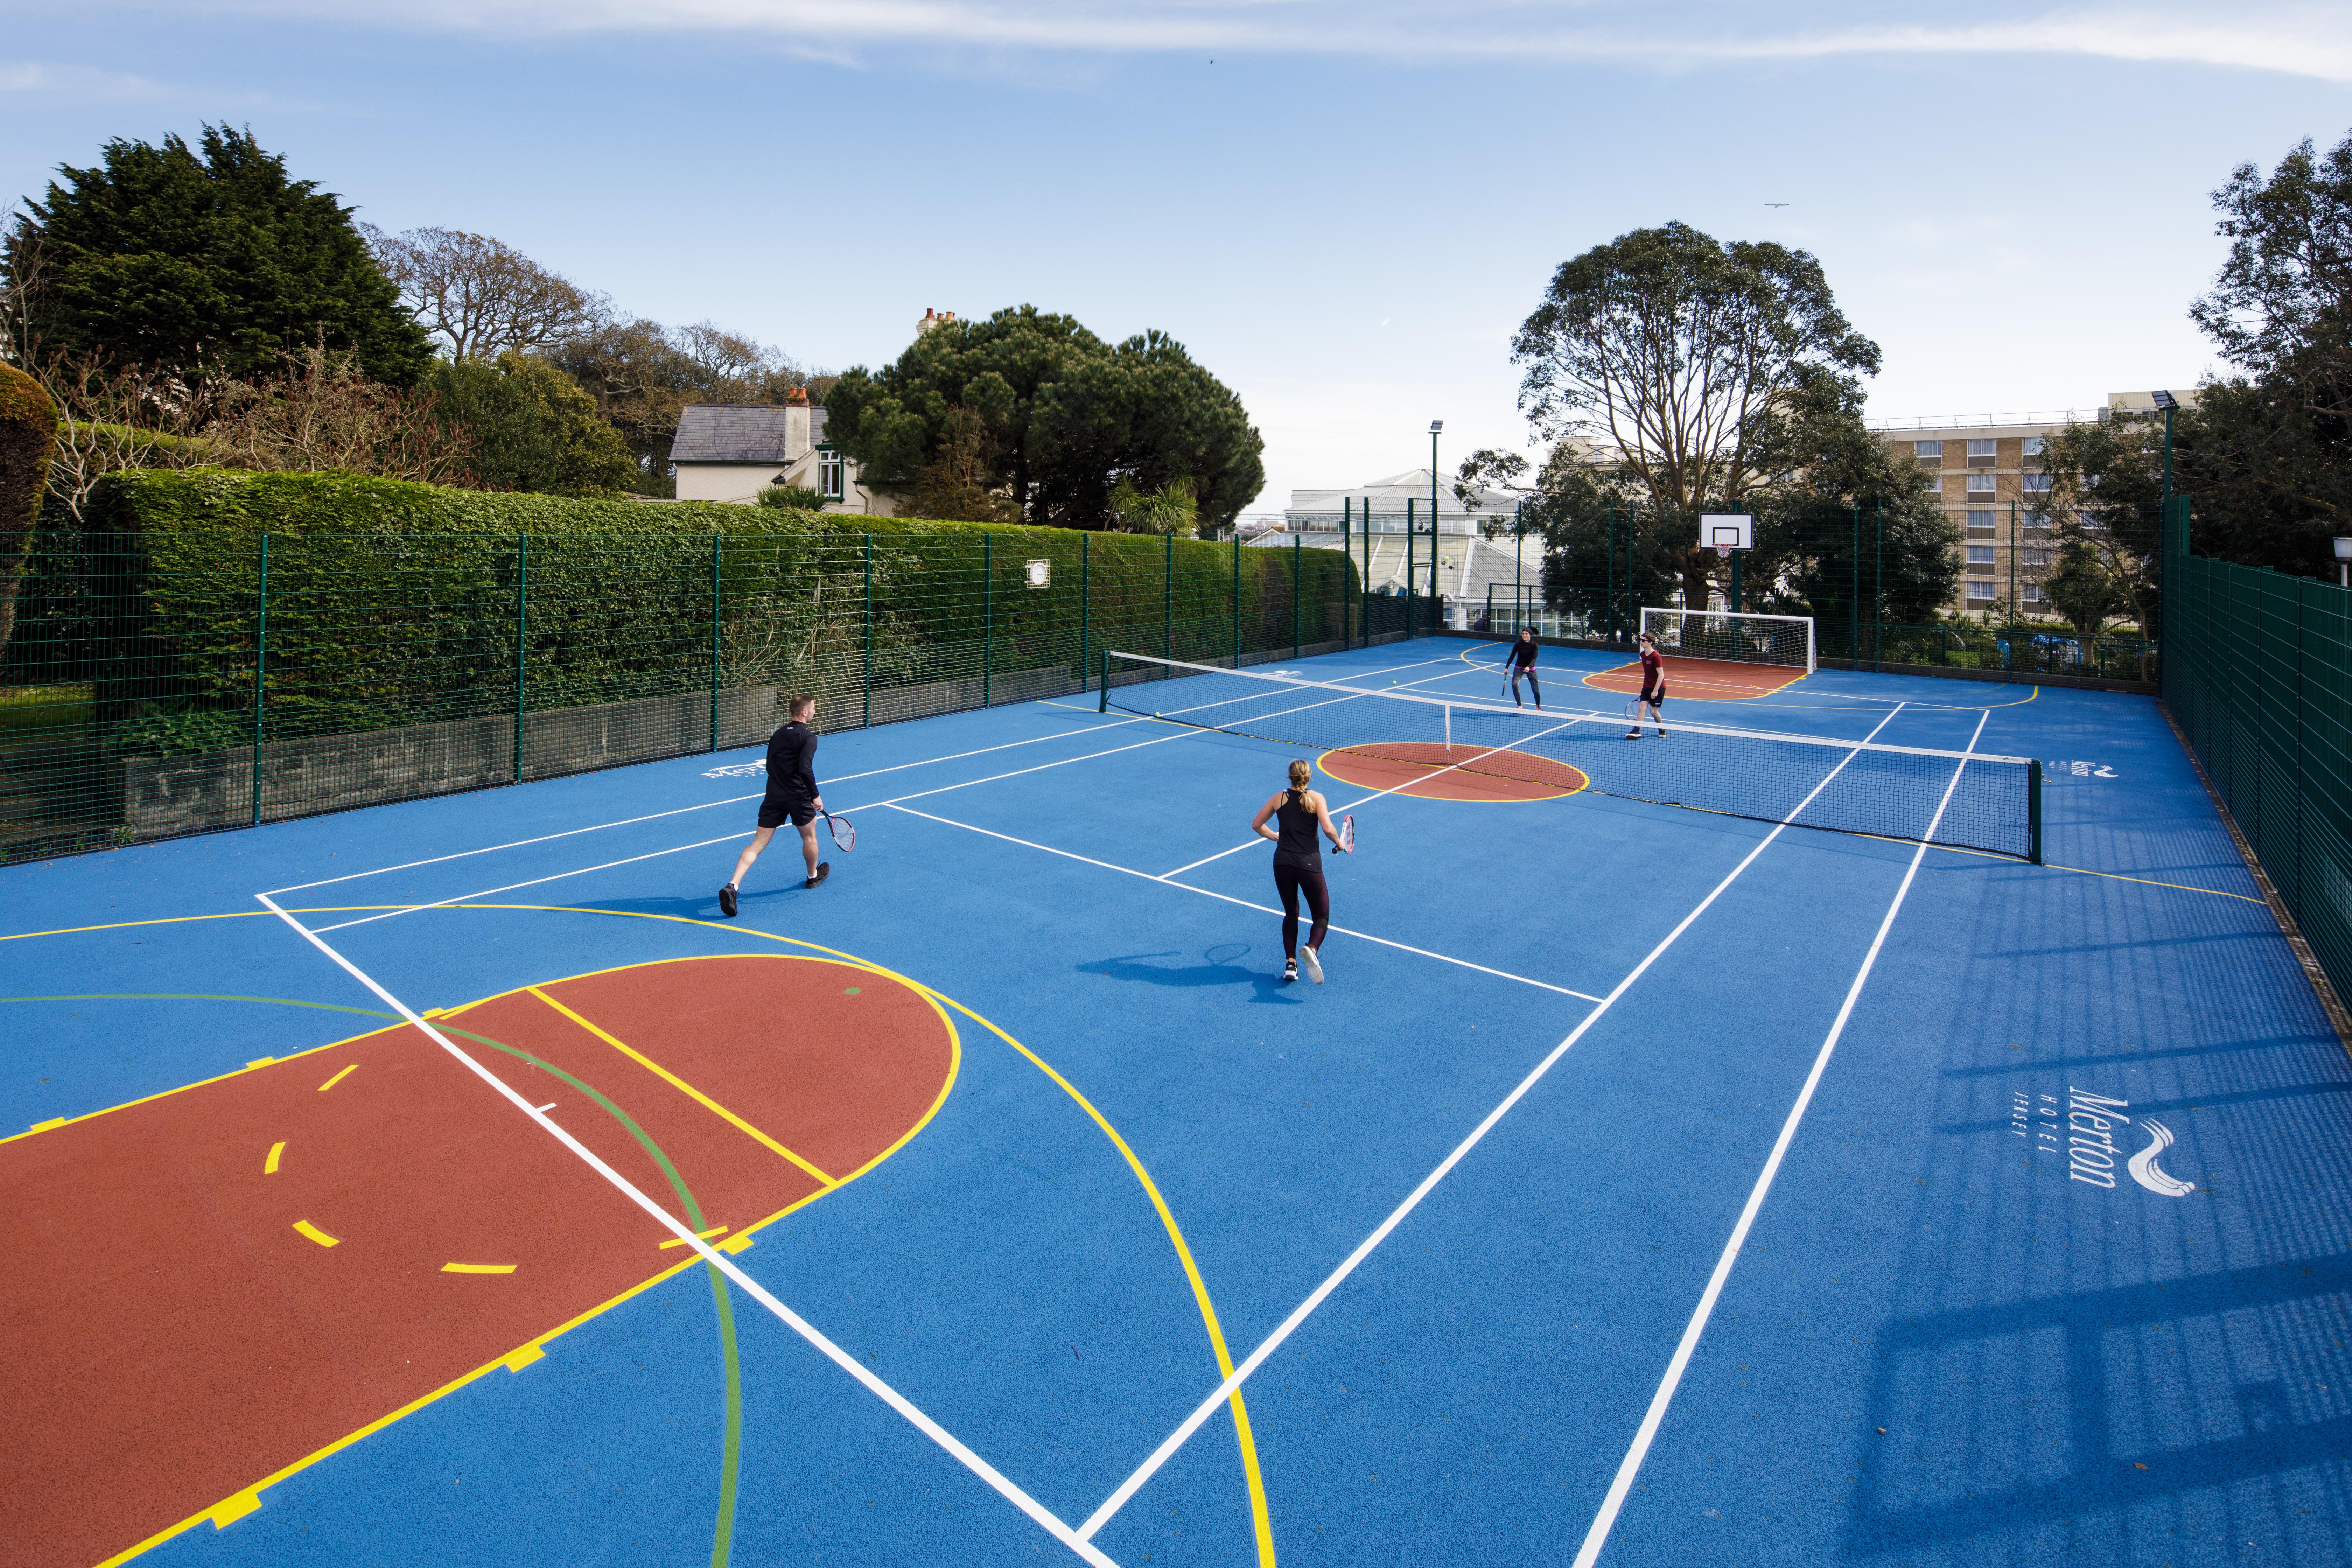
(1618,1488)
(739,799)
(1376,794)
(1184,734)
(1273,1342)
(727,1266)
(1244,903)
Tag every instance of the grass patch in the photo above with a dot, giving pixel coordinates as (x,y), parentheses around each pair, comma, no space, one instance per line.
(29,713)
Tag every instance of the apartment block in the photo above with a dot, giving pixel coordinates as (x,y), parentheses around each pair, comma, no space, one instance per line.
(1987,476)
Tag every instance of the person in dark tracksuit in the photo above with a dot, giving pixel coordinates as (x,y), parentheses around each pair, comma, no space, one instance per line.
(1299,866)
(1521,659)
(792,797)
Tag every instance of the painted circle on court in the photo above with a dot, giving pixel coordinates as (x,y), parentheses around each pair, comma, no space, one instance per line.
(1432,771)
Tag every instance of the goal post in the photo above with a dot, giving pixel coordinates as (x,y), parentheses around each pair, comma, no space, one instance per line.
(1733,637)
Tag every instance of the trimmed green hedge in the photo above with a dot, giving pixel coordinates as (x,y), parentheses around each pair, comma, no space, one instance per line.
(391,602)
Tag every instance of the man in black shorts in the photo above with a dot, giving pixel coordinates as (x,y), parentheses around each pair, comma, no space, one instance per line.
(1653,688)
(791,797)
(1520,661)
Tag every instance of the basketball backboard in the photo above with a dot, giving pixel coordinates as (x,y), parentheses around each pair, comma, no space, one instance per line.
(1727,530)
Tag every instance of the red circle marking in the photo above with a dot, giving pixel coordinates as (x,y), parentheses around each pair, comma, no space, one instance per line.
(1701,679)
(1435,771)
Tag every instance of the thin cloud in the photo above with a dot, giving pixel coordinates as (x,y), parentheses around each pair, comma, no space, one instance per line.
(2294,40)
(32,79)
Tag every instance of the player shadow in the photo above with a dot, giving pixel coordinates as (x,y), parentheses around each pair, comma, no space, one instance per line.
(704,908)
(1268,987)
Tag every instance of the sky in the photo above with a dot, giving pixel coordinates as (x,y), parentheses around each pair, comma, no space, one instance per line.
(1343,208)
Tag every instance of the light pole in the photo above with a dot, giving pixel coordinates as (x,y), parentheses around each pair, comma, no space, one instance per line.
(2343,560)
(1434,426)
(2170,403)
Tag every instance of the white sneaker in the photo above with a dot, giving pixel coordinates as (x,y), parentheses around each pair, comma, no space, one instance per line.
(1314,964)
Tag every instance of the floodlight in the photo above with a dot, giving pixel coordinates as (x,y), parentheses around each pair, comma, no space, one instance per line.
(2163,399)
(1435,425)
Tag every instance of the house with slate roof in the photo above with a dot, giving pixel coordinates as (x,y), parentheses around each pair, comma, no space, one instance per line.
(730,452)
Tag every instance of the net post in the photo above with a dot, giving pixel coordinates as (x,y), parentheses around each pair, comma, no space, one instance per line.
(1102,702)
(522,628)
(1449,729)
(2034,812)
(715,540)
(987,613)
(866,721)
(260,670)
(1085,605)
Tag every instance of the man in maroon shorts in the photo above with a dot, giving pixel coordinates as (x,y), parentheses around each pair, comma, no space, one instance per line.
(792,797)
(1653,690)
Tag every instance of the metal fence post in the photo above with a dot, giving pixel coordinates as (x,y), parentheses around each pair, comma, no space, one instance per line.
(987,614)
(715,540)
(1347,560)
(1295,542)
(867,717)
(1411,604)
(1854,604)
(1879,591)
(1237,595)
(1085,607)
(1608,577)
(260,671)
(1168,595)
(523,626)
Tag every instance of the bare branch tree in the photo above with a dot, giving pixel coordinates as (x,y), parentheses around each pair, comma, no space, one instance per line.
(480,296)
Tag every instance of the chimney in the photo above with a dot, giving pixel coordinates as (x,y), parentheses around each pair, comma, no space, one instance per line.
(932,319)
(796,424)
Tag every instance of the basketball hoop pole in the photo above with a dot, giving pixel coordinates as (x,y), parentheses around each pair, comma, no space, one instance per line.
(1735,580)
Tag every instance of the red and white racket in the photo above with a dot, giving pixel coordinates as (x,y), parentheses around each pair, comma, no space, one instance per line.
(843,833)
(1347,836)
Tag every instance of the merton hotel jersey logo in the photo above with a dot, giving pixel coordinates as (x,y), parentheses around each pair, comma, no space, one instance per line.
(2095,1135)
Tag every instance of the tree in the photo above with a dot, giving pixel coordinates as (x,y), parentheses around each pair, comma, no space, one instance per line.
(2268,452)
(28,428)
(1063,417)
(641,373)
(1685,371)
(2106,496)
(206,265)
(480,296)
(954,484)
(1171,508)
(530,427)
(323,411)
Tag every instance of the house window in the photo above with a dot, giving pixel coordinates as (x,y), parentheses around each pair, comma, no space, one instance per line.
(1980,554)
(2033,595)
(1980,484)
(829,473)
(1983,519)
(2037,484)
(1928,451)
(1982,593)
(1981,453)
(2036,520)
(2036,444)
(1932,483)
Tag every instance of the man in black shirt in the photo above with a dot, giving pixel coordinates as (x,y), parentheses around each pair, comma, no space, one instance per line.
(792,797)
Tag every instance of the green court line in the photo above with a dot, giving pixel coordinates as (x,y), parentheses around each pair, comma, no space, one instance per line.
(195,996)
(731,1450)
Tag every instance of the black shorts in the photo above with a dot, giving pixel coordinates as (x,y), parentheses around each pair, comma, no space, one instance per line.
(776,812)
(1654,695)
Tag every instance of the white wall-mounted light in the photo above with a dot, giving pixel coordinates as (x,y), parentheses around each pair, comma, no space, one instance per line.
(1041,573)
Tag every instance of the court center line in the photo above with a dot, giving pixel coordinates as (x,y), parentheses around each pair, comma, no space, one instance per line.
(1623,1483)
(971,1461)
(739,799)
(1289,1325)
(1188,732)
(1244,903)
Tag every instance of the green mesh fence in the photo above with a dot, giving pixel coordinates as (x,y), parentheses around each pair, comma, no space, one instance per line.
(2258,674)
(181,681)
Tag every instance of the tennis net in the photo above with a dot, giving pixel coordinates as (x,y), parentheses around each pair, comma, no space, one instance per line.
(1808,781)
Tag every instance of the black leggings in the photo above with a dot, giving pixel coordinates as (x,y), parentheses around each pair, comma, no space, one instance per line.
(1291,881)
(1533,684)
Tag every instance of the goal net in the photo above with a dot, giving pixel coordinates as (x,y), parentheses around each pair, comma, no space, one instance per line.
(1733,637)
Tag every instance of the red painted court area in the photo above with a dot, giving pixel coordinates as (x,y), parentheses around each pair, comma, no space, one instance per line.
(209,1288)
(1435,772)
(1701,679)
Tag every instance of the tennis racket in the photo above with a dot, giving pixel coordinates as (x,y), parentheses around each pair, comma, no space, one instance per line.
(1347,836)
(843,833)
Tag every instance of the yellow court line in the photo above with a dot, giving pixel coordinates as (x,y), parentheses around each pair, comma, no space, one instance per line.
(477,1268)
(700,1234)
(315,1234)
(269,1166)
(680,1084)
(339,1078)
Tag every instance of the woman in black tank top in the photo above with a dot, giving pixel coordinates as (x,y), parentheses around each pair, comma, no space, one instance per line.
(1301,814)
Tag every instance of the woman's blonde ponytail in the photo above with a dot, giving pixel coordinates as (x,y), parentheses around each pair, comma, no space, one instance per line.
(1301,776)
